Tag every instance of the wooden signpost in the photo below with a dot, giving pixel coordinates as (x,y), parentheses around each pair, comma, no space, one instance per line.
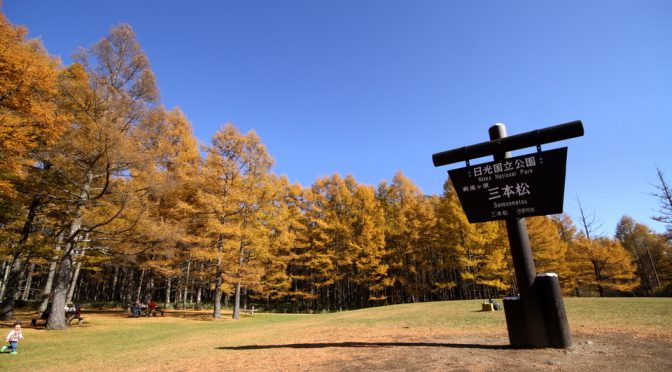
(511,188)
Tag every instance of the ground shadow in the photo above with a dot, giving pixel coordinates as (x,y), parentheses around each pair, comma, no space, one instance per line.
(320,345)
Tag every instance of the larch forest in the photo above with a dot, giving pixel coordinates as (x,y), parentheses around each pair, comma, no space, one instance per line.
(106,197)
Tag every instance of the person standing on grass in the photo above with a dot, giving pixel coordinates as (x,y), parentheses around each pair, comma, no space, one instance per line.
(14,336)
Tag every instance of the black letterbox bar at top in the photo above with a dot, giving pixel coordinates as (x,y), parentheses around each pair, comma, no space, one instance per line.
(519,141)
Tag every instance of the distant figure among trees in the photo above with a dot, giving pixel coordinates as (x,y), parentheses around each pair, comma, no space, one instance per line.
(136,309)
(75,313)
(152,308)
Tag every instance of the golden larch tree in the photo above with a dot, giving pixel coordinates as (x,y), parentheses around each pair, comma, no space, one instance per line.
(30,115)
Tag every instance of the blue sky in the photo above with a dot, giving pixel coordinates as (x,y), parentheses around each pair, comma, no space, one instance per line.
(371,87)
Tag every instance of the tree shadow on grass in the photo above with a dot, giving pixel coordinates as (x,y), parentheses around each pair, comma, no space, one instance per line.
(320,345)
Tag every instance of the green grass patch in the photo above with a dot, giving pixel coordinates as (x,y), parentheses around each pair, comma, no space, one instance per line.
(648,312)
(110,341)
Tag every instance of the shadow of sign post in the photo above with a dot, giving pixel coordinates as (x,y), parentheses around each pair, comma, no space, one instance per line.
(510,189)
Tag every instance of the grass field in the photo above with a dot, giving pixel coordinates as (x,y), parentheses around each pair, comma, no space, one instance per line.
(429,336)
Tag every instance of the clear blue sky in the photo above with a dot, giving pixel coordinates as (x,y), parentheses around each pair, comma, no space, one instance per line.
(371,87)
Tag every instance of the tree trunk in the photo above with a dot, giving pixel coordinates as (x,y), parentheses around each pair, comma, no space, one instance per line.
(236,302)
(11,288)
(178,297)
(5,273)
(115,278)
(138,292)
(64,273)
(641,270)
(598,279)
(123,294)
(217,312)
(168,285)
(100,291)
(186,284)
(150,288)
(81,290)
(73,281)
(653,265)
(199,292)
(29,282)
(46,291)
(57,315)
(7,306)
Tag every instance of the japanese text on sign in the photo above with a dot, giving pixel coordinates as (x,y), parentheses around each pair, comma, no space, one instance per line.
(505,166)
(514,187)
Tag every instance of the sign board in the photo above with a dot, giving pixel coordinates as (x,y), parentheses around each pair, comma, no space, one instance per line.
(522,186)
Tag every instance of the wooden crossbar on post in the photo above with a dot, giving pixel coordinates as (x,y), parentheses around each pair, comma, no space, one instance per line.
(502,145)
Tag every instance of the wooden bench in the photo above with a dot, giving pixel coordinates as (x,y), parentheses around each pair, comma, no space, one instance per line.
(68,318)
(249,311)
(72,317)
(33,322)
(149,313)
(144,311)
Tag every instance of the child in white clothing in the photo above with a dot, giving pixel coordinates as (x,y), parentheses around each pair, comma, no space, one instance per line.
(14,336)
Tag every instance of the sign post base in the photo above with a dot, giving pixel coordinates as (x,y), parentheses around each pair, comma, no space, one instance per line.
(538,320)
(547,288)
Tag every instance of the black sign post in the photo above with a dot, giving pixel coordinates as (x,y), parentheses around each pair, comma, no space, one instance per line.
(510,189)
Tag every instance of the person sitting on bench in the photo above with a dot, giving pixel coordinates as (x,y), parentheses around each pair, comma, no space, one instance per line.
(76,314)
(152,308)
(44,316)
(136,309)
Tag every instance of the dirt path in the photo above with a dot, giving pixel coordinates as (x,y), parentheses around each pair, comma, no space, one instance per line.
(408,350)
